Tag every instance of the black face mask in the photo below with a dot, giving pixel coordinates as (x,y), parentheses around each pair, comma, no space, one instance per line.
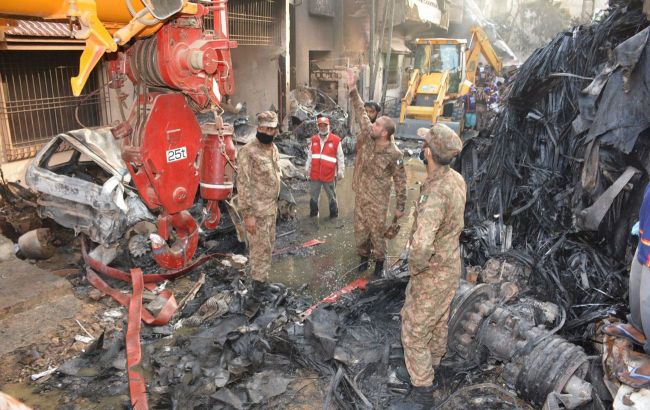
(264,138)
(421,156)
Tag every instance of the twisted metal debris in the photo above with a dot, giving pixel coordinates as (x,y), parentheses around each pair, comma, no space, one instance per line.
(530,175)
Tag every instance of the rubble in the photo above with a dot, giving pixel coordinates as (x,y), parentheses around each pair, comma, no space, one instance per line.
(309,103)
(36,244)
(563,173)
(536,175)
(550,267)
(87,193)
(539,365)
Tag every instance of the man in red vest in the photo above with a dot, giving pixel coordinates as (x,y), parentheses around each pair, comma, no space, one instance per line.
(325,164)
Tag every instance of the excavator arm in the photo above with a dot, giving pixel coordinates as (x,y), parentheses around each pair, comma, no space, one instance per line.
(414,82)
(480,45)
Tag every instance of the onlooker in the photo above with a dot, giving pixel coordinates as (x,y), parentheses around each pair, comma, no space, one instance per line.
(470,109)
(325,164)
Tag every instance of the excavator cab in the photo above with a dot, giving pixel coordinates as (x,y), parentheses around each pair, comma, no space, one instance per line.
(437,58)
(438,73)
(444,70)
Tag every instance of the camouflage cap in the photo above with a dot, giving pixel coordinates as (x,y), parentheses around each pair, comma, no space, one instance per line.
(267,119)
(442,141)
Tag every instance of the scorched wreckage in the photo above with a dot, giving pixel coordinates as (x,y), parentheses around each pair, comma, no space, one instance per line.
(554,185)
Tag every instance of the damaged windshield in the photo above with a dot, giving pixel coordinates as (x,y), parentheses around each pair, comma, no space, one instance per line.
(436,58)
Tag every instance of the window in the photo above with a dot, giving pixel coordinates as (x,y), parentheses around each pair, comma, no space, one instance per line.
(36,101)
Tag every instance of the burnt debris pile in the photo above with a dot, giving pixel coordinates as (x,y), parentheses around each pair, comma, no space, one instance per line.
(307,104)
(553,193)
(226,349)
(235,347)
(558,184)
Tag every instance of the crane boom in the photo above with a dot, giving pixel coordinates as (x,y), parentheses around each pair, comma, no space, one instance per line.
(103,24)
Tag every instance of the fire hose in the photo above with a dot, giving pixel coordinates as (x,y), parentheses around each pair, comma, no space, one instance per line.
(137,388)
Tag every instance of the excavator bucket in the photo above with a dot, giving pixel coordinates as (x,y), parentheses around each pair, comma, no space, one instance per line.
(408,130)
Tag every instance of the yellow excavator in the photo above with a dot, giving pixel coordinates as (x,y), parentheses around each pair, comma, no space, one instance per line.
(445,68)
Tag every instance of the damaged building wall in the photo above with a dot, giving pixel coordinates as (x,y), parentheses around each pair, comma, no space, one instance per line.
(256,71)
(314,33)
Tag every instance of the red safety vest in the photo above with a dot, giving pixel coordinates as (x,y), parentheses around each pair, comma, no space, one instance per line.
(323,164)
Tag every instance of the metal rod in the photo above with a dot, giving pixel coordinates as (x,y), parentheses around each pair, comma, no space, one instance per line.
(388,56)
(287,58)
(371,46)
(373,75)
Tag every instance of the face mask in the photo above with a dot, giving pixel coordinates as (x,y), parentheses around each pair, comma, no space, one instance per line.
(324,133)
(422,158)
(264,138)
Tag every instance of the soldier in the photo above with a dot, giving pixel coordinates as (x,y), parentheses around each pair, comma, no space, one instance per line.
(434,261)
(258,187)
(325,164)
(372,109)
(378,165)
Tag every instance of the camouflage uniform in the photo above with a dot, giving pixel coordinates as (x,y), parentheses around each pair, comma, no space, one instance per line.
(374,173)
(434,265)
(258,187)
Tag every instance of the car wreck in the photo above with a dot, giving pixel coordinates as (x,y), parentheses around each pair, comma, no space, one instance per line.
(89,192)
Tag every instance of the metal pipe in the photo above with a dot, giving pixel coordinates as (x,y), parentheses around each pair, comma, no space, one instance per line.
(110,11)
(371,46)
(287,58)
(388,55)
(373,74)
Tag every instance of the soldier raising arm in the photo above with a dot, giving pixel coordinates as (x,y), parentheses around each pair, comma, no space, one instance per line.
(378,165)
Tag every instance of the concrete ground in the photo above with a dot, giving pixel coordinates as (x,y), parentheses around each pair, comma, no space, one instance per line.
(33,302)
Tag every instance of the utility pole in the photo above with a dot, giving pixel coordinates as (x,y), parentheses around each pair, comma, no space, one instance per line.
(587,11)
(373,69)
(388,55)
(287,59)
(371,48)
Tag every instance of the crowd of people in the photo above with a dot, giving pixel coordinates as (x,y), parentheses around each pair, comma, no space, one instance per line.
(482,100)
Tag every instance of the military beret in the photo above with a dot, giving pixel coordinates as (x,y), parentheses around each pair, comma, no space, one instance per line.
(442,141)
(267,119)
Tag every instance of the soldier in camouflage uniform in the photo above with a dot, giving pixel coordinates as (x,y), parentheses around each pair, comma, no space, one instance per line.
(258,187)
(434,261)
(379,164)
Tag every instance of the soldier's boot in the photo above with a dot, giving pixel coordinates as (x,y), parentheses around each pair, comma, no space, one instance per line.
(265,289)
(313,208)
(334,209)
(258,287)
(403,375)
(379,269)
(363,264)
(422,395)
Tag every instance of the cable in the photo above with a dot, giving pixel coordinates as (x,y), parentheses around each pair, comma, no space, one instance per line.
(139,16)
(85,98)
